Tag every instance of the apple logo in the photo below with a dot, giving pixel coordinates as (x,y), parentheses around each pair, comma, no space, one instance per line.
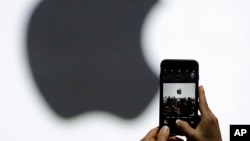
(85,55)
(179,91)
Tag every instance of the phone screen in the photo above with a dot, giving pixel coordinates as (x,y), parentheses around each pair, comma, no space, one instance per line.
(179,100)
(178,93)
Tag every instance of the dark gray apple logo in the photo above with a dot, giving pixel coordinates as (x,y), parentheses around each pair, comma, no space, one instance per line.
(85,55)
(179,91)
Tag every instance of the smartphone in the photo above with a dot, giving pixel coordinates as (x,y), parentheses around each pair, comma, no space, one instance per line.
(179,93)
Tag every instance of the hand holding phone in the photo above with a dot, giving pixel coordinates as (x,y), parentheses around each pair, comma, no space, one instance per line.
(178,93)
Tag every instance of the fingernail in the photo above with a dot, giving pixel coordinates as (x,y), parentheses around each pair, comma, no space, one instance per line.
(177,121)
(165,128)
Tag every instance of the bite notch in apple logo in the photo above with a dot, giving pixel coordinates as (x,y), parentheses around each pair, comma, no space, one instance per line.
(85,55)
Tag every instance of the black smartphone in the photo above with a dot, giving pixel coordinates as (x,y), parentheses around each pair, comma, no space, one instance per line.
(179,93)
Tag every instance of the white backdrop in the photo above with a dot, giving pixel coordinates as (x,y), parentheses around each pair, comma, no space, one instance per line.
(216,33)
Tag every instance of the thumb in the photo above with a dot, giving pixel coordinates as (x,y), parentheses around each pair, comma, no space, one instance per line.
(184,127)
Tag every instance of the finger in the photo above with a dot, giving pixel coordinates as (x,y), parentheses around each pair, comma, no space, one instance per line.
(184,127)
(202,101)
(163,134)
(175,139)
(152,134)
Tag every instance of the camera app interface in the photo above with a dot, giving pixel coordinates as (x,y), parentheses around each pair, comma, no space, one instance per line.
(179,96)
